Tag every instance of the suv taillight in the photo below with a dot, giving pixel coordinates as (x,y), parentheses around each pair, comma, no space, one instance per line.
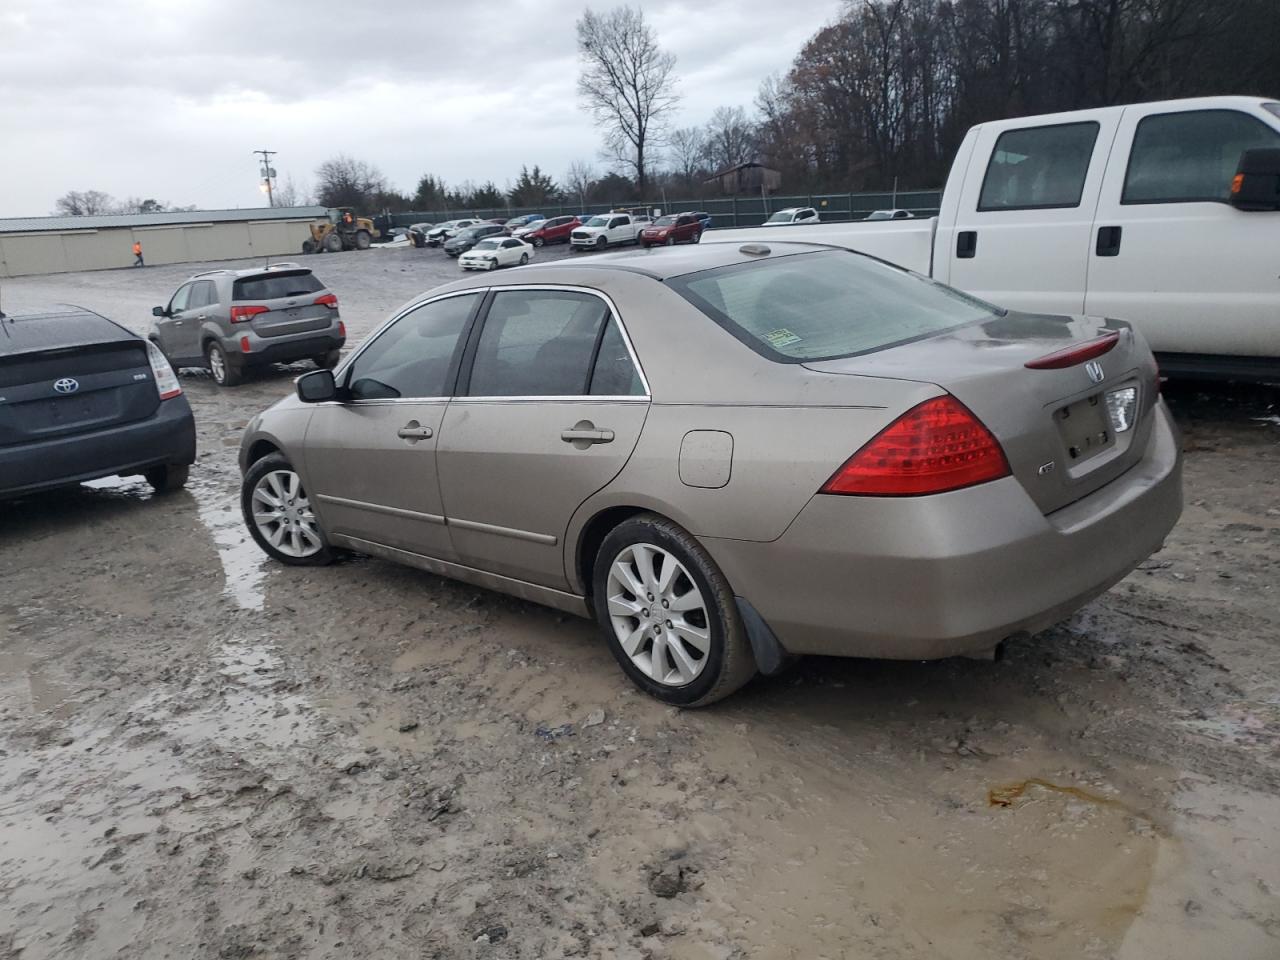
(327,300)
(934,447)
(166,380)
(245,314)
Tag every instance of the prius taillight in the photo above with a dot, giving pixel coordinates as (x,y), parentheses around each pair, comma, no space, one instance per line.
(934,447)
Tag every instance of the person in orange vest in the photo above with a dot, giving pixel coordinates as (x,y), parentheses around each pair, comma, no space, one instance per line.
(137,253)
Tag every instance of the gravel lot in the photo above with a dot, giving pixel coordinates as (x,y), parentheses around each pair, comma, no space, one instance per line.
(206,755)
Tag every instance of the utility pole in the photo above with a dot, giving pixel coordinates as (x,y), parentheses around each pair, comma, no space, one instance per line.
(268,172)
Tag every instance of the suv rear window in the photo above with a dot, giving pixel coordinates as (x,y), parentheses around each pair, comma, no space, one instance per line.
(821,306)
(273,286)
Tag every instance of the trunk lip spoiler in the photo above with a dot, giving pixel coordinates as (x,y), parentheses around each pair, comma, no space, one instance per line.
(1076,354)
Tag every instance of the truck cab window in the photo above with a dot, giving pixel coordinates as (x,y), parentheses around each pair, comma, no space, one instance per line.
(1190,156)
(1038,167)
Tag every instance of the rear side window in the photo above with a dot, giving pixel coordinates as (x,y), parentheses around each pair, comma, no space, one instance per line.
(537,343)
(411,358)
(1038,167)
(276,285)
(614,375)
(819,306)
(1184,157)
(202,294)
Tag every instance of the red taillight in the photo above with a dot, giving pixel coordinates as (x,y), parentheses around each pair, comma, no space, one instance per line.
(1075,354)
(245,345)
(327,300)
(933,447)
(245,314)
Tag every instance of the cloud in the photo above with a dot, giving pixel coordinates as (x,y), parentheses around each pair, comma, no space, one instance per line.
(168,100)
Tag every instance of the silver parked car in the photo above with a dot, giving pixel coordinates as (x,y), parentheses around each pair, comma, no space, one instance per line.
(227,320)
(730,455)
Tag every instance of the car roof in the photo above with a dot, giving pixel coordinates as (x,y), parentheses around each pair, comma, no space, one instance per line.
(56,328)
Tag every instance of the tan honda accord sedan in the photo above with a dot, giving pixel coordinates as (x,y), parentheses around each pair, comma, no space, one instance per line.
(732,455)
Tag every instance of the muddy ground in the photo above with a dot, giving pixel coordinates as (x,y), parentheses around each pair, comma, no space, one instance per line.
(205,755)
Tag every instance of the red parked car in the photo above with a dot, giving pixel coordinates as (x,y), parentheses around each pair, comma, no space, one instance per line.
(671,229)
(554,230)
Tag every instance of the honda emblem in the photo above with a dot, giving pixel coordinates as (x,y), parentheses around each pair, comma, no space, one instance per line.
(1094,369)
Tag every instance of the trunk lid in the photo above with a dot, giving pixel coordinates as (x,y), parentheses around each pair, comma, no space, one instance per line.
(65,390)
(1052,423)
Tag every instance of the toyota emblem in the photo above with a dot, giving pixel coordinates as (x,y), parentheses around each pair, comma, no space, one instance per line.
(66,385)
(1094,369)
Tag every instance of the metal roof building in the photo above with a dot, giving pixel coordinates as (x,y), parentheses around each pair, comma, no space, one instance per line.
(59,244)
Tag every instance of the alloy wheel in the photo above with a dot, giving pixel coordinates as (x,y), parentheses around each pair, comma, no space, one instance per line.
(283,515)
(658,614)
(217,365)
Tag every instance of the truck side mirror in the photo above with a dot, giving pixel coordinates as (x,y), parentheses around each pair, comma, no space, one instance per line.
(316,386)
(1256,185)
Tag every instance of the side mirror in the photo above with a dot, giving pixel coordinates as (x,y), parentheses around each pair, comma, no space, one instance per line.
(158,311)
(316,386)
(1256,185)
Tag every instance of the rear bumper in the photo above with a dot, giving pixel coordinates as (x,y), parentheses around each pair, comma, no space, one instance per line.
(287,348)
(167,437)
(919,578)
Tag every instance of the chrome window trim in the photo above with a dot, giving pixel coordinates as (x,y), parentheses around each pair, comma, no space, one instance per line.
(646,397)
(386,325)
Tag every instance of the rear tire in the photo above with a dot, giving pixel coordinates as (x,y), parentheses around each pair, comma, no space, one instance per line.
(275,505)
(308,246)
(224,372)
(697,237)
(363,240)
(327,361)
(665,658)
(168,479)
(333,242)
(524,258)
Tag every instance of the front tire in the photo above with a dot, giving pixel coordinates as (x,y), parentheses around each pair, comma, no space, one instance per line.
(168,479)
(278,514)
(602,242)
(538,241)
(669,614)
(224,372)
(333,242)
(363,240)
(308,246)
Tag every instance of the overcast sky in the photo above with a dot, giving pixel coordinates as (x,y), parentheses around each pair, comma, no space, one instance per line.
(168,99)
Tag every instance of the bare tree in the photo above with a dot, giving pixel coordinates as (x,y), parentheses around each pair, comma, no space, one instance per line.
(343,181)
(628,84)
(579,180)
(286,193)
(84,203)
(686,152)
(730,138)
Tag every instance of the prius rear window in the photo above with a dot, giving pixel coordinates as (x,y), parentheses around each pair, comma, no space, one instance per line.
(820,306)
(276,285)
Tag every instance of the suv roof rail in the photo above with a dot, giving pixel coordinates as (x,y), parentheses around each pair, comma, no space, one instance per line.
(210,273)
(284,264)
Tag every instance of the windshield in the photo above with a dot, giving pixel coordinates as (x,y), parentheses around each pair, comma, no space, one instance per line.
(1273,107)
(487,245)
(598,222)
(665,222)
(819,306)
(782,217)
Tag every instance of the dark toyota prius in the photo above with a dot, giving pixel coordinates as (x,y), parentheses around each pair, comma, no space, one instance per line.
(82,398)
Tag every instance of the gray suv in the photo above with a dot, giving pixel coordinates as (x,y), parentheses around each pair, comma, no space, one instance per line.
(227,320)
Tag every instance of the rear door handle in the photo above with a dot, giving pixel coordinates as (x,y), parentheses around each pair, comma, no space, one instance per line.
(414,431)
(966,244)
(588,436)
(1108,244)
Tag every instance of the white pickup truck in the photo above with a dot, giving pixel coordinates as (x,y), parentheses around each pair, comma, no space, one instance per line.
(607,230)
(1163,214)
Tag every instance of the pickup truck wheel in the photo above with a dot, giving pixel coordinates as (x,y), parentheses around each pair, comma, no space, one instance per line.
(601,242)
(225,373)
(168,479)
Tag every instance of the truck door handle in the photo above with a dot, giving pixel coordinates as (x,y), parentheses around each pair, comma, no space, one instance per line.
(413,432)
(586,434)
(966,244)
(1108,242)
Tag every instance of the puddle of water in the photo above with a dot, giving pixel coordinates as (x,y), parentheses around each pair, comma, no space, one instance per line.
(24,684)
(242,560)
(1009,794)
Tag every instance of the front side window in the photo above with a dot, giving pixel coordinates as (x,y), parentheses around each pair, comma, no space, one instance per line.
(1184,157)
(179,301)
(537,343)
(201,295)
(783,216)
(412,357)
(819,306)
(1038,167)
(616,222)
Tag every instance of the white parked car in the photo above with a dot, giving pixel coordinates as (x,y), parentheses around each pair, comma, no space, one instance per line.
(448,230)
(494,252)
(792,215)
(891,215)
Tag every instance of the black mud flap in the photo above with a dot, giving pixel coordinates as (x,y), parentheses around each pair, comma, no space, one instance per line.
(771,658)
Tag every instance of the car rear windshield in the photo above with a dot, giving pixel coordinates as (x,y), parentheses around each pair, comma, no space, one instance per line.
(820,306)
(273,286)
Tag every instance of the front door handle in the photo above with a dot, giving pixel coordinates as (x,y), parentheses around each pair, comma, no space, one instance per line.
(413,431)
(1108,244)
(584,433)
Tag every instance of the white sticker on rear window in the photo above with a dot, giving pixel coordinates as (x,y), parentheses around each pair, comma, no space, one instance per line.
(782,337)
